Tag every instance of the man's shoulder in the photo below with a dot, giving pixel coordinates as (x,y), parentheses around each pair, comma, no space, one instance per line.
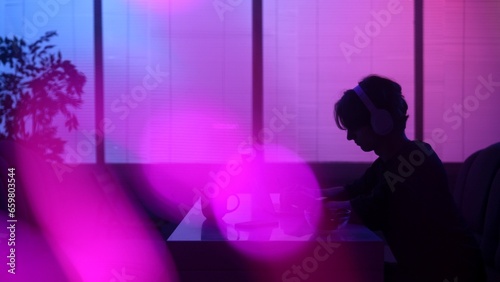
(422,146)
(414,153)
(418,153)
(416,164)
(425,150)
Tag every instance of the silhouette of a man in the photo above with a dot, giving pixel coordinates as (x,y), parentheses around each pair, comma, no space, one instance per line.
(404,193)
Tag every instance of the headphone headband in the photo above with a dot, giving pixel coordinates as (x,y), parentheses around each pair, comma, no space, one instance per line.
(364,98)
(380,119)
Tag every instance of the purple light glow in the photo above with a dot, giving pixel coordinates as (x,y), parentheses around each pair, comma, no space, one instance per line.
(93,229)
(30,252)
(260,179)
(198,130)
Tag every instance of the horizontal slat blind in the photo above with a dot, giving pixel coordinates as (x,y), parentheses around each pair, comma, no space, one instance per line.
(177,80)
(73,22)
(315,50)
(461,53)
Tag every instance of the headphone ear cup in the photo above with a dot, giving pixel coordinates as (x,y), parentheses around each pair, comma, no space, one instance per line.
(381,121)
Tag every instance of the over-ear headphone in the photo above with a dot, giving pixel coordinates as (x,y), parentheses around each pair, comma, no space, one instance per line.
(380,119)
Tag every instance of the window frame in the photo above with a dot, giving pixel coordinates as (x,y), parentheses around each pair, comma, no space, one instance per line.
(257,71)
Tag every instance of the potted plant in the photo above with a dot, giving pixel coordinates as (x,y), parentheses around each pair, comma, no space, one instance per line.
(37,85)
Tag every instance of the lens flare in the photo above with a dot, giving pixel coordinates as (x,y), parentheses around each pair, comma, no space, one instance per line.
(94,230)
(268,221)
(177,144)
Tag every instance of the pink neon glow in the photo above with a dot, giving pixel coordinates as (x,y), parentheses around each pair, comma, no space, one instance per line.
(260,180)
(196,129)
(31,256)
(93,229)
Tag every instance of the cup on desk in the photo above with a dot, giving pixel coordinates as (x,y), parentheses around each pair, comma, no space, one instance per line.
(218,205)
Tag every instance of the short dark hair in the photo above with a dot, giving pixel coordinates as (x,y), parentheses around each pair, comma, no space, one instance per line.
(351,113)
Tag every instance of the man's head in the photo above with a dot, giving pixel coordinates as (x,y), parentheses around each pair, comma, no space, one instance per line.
(352,114)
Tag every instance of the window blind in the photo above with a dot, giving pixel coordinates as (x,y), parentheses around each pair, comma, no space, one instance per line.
(462,77)
(177,81)
(315,50)
(73,22)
